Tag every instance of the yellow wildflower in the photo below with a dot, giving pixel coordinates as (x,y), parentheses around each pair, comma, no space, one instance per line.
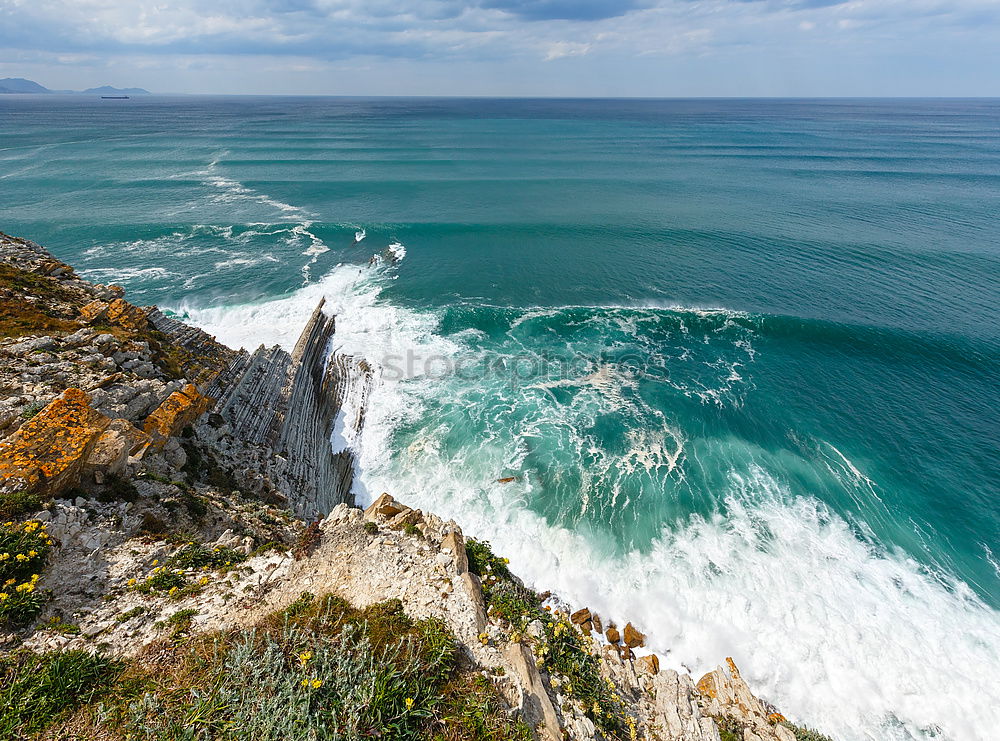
(203,581)
(305,682)
(131,582)
(32,554)
(4,556)
(21,557)
(3,596)
(304,657)
(9,582)
(409,703)
(155,561)
(317,683)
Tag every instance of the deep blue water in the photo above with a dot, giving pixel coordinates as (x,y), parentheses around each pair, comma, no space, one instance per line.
(742,355)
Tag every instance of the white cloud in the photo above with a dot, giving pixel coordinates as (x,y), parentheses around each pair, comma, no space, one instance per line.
(708,41)
(561,49)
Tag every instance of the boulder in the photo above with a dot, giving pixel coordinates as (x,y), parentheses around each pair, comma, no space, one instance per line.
(580,616)
(48,452)
(648,664)
(613,635)
(596,620)
(633,638)
(95,311)
(113,447)
(384,507)
(455,543)
(176,412)
(536,705)
(123,314)
(406,517)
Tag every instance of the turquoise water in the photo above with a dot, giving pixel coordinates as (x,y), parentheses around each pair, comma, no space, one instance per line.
(741,356)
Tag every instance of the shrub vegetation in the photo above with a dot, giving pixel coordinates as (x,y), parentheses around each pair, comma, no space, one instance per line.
(24,546)
(320,669)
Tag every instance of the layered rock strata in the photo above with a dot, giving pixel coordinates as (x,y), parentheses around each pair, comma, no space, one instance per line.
(281,408)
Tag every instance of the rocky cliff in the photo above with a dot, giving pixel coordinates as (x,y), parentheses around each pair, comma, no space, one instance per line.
(179,529)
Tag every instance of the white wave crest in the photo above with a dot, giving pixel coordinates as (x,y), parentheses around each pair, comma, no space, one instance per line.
(863,643)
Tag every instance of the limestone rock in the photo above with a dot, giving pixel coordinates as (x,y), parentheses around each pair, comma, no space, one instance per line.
(537,707)
(176,412)
(123,314)
(95,311)
(47,454)
(281,409)
(726,693)
(455,543)
(406,517)
(383,508)
(112,449)
(474,590)
(649,664)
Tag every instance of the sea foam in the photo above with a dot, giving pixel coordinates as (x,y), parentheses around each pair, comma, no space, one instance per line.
(841,633)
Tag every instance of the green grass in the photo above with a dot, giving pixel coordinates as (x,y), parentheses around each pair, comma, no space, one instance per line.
(129,614)
(37,690)
(196,556)
(474,710)
(19,316)
(161,580)
(18,503)
(32,410)
(729,728)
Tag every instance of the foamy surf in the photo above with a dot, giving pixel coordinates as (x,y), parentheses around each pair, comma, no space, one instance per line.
(842,634)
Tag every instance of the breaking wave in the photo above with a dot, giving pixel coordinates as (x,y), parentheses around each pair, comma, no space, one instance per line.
(838,630)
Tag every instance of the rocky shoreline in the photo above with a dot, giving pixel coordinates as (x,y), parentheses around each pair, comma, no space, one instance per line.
(175,488)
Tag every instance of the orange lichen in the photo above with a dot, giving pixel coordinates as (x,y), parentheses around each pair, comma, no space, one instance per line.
(123,314)
(94,311)
(48,451)
(176,412)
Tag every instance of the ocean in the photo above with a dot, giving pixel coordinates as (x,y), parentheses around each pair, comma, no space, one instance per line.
(739,357)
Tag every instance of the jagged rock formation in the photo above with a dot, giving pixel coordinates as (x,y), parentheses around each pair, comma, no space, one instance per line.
(282,408)
(727,696)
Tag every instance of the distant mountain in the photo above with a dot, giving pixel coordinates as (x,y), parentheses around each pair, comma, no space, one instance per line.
(108,90)
(18,85)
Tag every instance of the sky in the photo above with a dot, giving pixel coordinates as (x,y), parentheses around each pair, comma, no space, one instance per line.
(589,48)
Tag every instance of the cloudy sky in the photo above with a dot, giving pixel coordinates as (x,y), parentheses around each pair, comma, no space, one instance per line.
(509,47)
